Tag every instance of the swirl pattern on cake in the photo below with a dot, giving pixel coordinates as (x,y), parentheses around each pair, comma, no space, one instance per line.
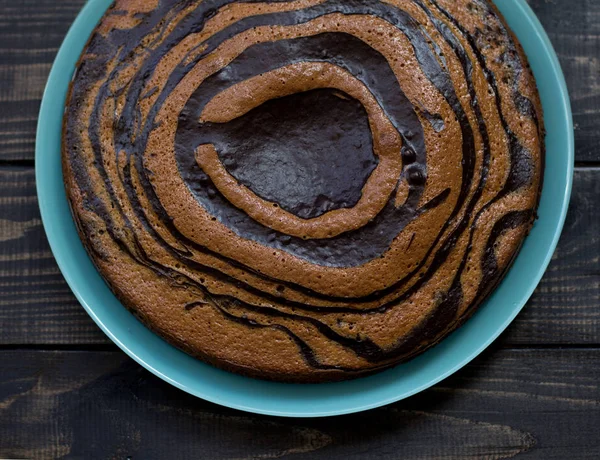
(303,190)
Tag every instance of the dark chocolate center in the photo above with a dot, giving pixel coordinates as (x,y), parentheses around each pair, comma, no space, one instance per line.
(309,152)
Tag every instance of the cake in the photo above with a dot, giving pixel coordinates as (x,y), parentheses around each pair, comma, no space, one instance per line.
(303,190)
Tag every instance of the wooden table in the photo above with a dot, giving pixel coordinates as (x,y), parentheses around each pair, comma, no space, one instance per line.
(67,391)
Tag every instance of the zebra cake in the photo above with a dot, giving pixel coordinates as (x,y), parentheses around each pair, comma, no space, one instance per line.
(303,190)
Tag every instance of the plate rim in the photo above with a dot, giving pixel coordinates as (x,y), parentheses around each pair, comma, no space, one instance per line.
(82,22)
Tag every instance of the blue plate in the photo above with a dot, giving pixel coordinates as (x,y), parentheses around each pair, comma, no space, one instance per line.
(290,400)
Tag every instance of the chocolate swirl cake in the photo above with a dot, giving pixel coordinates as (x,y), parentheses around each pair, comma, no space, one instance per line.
(303,190)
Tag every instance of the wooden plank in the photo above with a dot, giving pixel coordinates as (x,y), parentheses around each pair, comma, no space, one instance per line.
(574,29)
(37,306)
(537,403)
(31,32)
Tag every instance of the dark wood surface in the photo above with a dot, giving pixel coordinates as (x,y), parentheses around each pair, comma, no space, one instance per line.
(67,392)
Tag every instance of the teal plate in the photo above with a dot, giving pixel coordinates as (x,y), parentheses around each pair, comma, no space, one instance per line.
(292,400)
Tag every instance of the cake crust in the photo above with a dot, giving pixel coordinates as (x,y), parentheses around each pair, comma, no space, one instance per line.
(305,190)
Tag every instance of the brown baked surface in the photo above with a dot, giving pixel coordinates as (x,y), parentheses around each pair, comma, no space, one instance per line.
(303,190)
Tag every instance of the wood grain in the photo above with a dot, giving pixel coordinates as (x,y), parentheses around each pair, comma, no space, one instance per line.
(536,403)
(37,306)
(574,29)
(31,32)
